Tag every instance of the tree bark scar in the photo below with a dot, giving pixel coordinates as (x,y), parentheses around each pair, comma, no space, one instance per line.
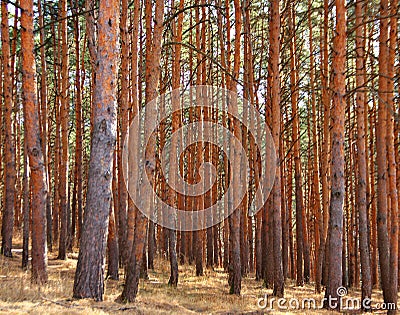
(103,126)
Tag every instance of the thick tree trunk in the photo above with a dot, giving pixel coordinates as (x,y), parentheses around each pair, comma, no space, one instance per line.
(33,142)
(89,276)
(337,166)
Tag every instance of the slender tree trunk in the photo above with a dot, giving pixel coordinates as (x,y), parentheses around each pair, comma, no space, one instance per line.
(325,156)
(381,157)
(57,146)
(26,208)
(174,168)
(64,115)
(374,225)
(276,131)
(151,245)
(9,148)
(296,154)
(136,99)
(79,128)
(393,201)
(112,239)
(123,112)
(361,163)
(153,52)
(44,118)
(235,263)
(315,201)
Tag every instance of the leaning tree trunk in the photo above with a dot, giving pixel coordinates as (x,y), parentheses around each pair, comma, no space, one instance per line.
(89,276)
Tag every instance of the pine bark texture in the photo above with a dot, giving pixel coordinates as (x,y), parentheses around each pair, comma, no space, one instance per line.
(89,276)
(33,142)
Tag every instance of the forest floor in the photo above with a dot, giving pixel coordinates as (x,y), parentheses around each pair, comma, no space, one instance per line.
(208,294)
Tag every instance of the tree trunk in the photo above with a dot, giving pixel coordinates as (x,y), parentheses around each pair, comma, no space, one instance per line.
(9,147)
(300,238)
(366,288)
(64,115)
(381,157)
(235,269)
(153,52)
(275,27)
(89,276)
(337,165)
(325,156)
(133,141)
(79,129)
(33,142)
(315,194)
(112,247)
(26,209)
(44,124)
(390,144)
(174,167)
(123,112)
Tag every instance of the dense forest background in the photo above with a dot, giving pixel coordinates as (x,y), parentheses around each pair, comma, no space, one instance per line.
(323,76)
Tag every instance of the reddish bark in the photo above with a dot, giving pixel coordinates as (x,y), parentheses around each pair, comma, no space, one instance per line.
(33,143)
(337,165)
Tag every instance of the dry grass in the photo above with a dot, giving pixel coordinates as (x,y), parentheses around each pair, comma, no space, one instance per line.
(206,294)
